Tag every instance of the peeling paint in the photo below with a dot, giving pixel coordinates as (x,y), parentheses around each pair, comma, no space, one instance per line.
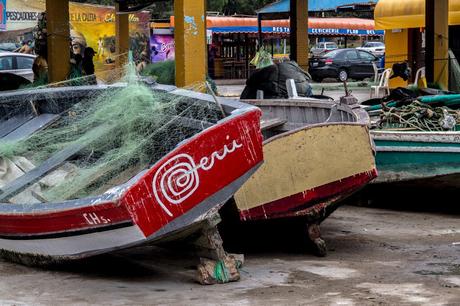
(191,26)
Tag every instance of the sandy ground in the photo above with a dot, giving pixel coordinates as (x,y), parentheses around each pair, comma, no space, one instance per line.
(376,257)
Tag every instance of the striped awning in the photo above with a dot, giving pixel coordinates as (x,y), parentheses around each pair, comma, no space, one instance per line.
(316,26)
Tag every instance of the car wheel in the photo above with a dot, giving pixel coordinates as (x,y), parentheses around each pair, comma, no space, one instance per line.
(343,75)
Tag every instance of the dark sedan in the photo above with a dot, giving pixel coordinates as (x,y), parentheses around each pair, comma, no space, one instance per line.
(343,64)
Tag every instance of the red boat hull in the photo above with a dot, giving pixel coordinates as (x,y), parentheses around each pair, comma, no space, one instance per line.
(179,190)
(310,203)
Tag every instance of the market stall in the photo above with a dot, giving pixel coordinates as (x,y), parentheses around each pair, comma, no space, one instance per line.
(405,38)
(232,41)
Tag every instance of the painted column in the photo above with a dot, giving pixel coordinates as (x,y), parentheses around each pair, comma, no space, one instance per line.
(299,32)
(190,40)
(437,42)
(58,41)
(122,35)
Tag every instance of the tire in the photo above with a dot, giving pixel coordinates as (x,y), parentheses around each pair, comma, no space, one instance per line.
(343,72)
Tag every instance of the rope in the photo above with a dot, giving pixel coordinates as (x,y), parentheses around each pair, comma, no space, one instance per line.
(221,272)
(419,116)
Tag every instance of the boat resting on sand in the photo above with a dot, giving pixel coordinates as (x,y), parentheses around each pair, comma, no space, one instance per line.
(417,158)
(188,183)
(316,153)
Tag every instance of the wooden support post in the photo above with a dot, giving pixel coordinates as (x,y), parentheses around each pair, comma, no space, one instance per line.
(260,38)
(190,40)
(122,35)
(58,40)
(437,42)
(299,32)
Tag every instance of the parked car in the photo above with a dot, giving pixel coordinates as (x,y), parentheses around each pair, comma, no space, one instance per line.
(323,48)
(374,47)
(17,63)
(343,64)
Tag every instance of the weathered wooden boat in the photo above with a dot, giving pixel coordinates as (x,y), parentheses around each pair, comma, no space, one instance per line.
(316,153)
(170,196)
(418,144)
(416,158)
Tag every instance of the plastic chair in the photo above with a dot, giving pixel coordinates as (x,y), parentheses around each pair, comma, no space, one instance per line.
(383,85)
(420,76)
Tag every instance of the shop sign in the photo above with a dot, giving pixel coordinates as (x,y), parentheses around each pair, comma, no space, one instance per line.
(2,15)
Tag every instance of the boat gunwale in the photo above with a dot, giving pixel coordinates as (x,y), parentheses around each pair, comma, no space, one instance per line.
(233,110)
(417,136)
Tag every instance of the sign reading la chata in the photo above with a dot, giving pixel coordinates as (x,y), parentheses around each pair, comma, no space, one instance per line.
(2,15)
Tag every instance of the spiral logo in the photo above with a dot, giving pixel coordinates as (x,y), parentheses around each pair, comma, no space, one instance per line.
(175,181)
(178,178)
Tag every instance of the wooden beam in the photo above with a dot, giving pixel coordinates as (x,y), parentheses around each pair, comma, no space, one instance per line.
(13,188)
(122,34)
(190,40)
(437,42)
(58,41)
(299,32)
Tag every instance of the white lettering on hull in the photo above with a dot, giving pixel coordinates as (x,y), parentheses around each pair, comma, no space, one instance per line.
(179,178)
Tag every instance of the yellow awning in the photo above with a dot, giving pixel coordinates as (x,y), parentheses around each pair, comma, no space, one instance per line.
(405,14)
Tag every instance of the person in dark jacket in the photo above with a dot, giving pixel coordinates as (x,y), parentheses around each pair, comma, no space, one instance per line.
(88,66)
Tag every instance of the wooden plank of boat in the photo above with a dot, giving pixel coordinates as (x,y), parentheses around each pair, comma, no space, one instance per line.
(13,123)
(31,177)
(268,124)
(30,127)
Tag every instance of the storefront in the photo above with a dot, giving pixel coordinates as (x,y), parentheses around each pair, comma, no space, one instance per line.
(404,24)
(232,41)
(91,26)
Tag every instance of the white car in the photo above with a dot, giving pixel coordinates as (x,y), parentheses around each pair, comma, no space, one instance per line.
(17,63)
(322,48)
(374,47)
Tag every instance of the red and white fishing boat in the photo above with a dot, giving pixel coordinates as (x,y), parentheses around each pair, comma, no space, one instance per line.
(173,194)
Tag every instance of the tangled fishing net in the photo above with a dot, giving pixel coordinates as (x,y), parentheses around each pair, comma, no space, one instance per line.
(419,116)
(262,59)
(120,131)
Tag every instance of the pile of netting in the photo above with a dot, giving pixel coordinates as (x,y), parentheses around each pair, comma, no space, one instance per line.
(419,116)
(118,131)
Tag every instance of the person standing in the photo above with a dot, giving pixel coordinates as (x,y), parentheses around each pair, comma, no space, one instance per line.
(88,66)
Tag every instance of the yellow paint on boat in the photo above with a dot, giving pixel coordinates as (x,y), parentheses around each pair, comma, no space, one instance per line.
(306,159)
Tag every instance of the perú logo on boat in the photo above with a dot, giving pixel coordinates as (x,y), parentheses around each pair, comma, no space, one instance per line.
(179,177)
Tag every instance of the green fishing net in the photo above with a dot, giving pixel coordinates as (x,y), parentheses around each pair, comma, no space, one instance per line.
(119,131)
(165,73)
(262,59)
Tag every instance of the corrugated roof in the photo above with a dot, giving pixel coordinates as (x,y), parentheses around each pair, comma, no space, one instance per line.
(283,6)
